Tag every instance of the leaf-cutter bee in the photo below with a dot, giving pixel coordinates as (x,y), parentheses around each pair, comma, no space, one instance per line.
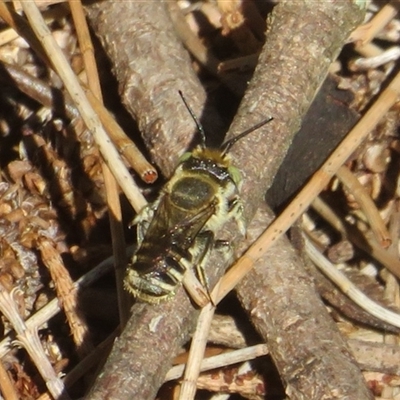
(176,232)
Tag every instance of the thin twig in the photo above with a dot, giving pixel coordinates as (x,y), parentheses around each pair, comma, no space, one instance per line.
(311,190)
(111,156)
(365,33)
(243,369)
(196,353)
(367,244)
(114,206)
(240,63)
(248,385)
(349,288)
(367,205)
(124,145)
(221,360)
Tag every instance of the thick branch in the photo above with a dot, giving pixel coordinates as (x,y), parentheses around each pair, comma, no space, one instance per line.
(278,295)
(304,38)
(151,66)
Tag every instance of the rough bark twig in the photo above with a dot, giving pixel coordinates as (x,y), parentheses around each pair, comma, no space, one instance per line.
(134,368)
(139,54)
(283,86)
(311,355)
(151,66)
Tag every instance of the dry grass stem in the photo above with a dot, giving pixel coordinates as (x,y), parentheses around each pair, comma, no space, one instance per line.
(67,294)
(311,190)
(349,288)
(125,146)
(42,92)
(63,165)
(367,205)
(29,339)
(365,33)
(86,364)
(114,206)
(86,47)
(367,244)
(222,360)
(109,153)
(196,353)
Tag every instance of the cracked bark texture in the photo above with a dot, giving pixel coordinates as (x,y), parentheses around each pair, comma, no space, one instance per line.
(312,357)
(151,65)
(303,39)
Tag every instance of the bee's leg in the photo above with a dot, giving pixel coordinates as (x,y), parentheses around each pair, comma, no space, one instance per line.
(194,288)
(205,242)
(142,221)
(235,211)
(225,248)
(197,286)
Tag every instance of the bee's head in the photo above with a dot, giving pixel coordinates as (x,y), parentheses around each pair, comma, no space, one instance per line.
(212,160)
(216,157)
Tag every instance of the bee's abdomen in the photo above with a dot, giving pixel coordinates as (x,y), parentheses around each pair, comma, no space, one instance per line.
(154,279)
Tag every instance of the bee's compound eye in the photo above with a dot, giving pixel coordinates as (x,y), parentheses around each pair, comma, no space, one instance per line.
(235,175)
(184,157)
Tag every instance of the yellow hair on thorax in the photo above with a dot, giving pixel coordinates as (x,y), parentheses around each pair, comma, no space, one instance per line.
(212,154)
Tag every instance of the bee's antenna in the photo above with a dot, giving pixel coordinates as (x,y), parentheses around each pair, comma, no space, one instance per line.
(197,122)
(225,147)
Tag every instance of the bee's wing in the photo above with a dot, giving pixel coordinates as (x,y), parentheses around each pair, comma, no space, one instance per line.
(190,226)
(172,226)
(160,223)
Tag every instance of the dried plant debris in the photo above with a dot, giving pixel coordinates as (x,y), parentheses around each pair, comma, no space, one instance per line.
(53,200)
